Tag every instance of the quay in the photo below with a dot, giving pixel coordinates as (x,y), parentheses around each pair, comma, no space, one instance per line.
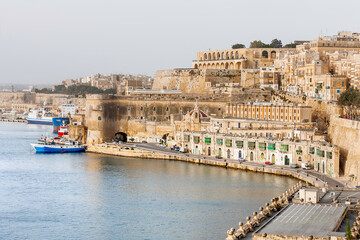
(153,151)
(13,120)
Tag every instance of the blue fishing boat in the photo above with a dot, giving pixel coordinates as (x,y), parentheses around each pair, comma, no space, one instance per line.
(57,148)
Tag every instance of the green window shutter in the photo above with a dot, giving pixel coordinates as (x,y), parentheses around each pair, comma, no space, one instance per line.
(251,145)
(262,146)
(320,153)
(196,139)
(298,151)
(284,148)
(271,146)
(329,155)
(311,150)
(219,141)
(240,144)
(186,138)
(228,142)
(207,140)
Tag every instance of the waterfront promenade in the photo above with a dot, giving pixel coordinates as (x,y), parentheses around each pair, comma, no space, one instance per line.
(154,151)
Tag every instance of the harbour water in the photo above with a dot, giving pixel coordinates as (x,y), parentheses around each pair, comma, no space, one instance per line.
(89,196)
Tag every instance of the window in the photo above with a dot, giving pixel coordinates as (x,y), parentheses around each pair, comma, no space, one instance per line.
(129,117)
(99,118)
(129,108)
(154,108)
(141,108)
(167,109)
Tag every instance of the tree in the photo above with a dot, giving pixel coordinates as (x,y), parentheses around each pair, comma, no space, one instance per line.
(275,43)
(351,97)
(258,44)
(238,45)
(290,45)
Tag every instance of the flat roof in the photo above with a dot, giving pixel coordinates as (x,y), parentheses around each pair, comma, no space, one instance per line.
(305,220)
(341,196)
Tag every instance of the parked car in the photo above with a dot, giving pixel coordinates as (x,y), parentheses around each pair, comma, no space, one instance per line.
(305,166)
(268,163)
(294,165)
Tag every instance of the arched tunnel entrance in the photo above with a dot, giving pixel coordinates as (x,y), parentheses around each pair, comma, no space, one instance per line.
(120,136)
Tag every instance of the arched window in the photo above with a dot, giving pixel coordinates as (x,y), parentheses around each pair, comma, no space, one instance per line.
(265,54)
(99,118)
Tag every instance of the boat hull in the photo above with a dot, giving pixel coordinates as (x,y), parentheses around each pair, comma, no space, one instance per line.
(39,121)
(58,122)
(57,148)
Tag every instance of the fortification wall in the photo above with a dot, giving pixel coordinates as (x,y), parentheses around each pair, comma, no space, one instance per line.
(198,81)
(345,133)
(7,99)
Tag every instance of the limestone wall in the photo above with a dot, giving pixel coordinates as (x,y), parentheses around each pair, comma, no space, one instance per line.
(194,80)
(55,100)
(345,133)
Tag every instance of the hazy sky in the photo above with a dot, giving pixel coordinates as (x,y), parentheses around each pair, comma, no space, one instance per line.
(47,41)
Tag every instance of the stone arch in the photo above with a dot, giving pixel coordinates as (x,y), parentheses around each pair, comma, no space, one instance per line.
(273,54)
(265,54)
(214,56)
(232,55)
(218,56)
(226,66)
(209,151)
(262,156)
(222,66)
(251,156)
(205,56)
(213,66)
(238,66)
(196,66)
(222,56)
(227,55)
(237,55)
(120,136)
(209,56)
(217,66)
(231,66)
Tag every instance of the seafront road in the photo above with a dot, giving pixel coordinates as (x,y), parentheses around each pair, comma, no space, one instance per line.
(322,179)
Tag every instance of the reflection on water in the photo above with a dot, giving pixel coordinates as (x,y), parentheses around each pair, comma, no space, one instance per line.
(88,196)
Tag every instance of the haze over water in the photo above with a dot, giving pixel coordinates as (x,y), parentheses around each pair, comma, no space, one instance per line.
(88,196)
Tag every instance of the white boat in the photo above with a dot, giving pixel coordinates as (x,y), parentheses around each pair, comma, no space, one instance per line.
(39,116)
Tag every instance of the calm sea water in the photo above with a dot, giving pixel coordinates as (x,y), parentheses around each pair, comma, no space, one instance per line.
(88,196)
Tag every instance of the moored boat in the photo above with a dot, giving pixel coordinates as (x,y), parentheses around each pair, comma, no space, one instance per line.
(55,148)
(63,131)
(58,122)
(39,116)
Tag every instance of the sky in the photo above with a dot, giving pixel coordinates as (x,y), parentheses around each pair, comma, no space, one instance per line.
(47,41)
